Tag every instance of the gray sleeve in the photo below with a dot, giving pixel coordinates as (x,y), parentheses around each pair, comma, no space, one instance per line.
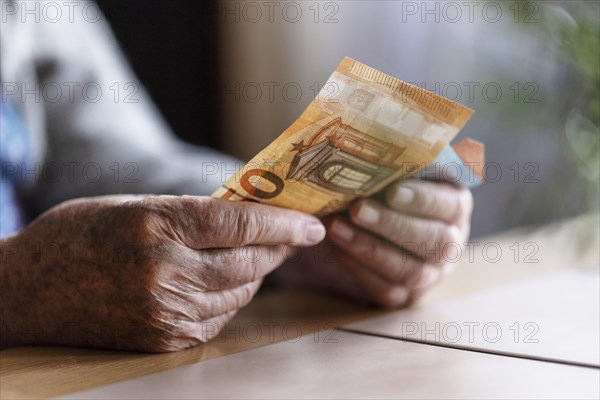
(102,132)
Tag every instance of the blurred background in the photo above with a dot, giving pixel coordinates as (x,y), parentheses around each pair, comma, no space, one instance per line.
(234,74)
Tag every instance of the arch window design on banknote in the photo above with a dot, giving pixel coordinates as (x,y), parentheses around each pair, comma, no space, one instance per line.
(338,159)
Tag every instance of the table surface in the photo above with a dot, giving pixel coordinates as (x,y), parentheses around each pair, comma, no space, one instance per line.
(555,317)
(282,316)
(326,367)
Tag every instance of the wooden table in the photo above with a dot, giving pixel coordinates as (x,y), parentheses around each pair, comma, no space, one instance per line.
(34,372)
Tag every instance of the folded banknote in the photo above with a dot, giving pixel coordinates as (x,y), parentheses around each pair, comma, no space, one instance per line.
(364,130)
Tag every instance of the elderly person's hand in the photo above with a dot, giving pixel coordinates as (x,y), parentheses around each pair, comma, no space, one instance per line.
(151,273)
(388,249)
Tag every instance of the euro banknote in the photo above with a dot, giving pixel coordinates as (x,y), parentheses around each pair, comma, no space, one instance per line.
(364,130)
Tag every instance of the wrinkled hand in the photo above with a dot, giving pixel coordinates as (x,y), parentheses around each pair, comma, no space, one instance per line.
(155,273)
(388,249)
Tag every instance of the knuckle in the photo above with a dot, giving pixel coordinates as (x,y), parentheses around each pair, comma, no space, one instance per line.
(238,222)
(216,217)
(465,204)
(448,234)
(395,227)
(433,204)
(245,225)
(367,249)
(393,269)
(145,220)
(453,243)
(377,253)
(442,236)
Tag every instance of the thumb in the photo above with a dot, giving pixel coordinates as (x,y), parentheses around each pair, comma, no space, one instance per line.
(222,223)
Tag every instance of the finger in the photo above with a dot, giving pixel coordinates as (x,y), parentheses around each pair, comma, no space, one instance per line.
(210,328)
(388,295)
(429,239)
(194,333)
(424,279)
(189,305)
(449,203)
(255,223)
(389,261)
(203,222)
(380,291)
(398,268)
(219,302)
(218,269)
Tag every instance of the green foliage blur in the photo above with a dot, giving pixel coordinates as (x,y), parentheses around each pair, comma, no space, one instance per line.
(573,27)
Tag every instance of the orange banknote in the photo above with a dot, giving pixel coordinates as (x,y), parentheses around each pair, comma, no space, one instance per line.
(364,130)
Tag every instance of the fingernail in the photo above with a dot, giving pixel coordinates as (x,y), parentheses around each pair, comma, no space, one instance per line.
(368,215)
(342,231)
(404,196)
(315,232)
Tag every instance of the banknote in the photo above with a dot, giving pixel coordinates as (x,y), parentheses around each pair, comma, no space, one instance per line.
(364,130)
(462,163)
